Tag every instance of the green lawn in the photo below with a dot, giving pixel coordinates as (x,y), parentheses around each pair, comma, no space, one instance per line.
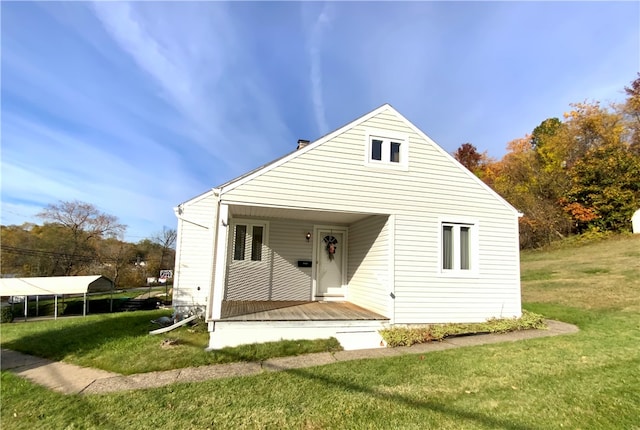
(120,343)
(588,380)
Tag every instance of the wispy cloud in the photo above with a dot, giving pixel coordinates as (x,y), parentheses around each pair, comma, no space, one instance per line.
(166,59)
(80,168)
(196,57)
(151,105)
(155,102)
(320,26)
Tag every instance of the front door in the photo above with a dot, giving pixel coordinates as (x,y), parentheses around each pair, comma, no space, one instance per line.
(330,262)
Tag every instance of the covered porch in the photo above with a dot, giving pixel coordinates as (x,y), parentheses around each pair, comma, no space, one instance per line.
(280,255)
(285,273)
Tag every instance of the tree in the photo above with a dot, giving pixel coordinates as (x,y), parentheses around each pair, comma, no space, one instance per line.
(85,224)
(16,257)
(468,156)
(84,220)
(167,240)
(631,110)
(518,178)
(545,131)
(115,260)
(605,188)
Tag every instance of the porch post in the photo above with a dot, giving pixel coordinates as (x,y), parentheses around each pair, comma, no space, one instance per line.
(391,308)
(222,232)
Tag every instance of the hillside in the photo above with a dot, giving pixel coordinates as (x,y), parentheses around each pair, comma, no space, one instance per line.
(599,275)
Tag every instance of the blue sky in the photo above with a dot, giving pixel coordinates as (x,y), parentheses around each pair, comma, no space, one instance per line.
(137,107)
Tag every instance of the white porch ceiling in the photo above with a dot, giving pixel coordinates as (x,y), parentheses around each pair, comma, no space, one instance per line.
(334,217)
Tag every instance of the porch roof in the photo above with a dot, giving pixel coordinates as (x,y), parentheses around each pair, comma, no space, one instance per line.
(312,215)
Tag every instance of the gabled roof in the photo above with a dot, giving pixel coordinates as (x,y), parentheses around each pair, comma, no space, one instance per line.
(228,186)
(238,181)
(51,285)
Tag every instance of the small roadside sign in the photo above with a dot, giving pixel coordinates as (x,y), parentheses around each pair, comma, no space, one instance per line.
(166,274)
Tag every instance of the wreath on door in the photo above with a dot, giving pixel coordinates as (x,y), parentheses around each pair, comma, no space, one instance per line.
(330,245)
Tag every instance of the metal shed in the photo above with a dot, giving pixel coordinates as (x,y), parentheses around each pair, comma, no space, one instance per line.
(54,286)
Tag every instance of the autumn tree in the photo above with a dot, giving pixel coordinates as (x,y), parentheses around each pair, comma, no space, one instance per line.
(518,180)
(605,188)
(83,224)
(468,156)
(631,110)
(38,250)
(16,257)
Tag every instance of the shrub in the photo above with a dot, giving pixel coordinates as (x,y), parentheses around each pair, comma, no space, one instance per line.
(199,325)
(6,315)
(407,336)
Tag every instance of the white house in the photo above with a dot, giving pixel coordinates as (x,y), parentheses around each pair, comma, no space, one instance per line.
(369,226)
(635,222)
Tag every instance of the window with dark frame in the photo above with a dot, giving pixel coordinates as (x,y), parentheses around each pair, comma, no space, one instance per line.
(394,157)
(239,242)
(256,243)
(456,247)
(376,149)
(245,235)
(387,151)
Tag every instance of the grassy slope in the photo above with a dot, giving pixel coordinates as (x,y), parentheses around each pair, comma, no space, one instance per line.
(589,380)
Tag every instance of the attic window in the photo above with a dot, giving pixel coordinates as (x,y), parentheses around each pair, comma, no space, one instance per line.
(376,149)
(384,150)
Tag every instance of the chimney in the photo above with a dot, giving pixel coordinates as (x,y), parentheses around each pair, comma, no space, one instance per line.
(302,143)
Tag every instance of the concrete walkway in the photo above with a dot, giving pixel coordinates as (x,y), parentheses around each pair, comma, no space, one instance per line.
(72,379)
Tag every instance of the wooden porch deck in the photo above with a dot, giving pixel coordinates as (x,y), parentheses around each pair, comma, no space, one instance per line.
(295,311)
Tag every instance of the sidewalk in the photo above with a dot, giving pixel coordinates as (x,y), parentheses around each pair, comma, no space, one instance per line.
(72,379)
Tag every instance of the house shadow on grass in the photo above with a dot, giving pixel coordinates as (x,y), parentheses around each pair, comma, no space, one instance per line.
(479,417)
(79,338)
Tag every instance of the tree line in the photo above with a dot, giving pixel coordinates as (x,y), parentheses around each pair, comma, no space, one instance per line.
(78,239)
(575,175)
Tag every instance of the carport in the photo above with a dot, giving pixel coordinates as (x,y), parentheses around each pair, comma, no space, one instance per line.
(54,286)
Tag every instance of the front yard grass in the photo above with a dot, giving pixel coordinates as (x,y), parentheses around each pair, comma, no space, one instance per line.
(587,380)
(120,343)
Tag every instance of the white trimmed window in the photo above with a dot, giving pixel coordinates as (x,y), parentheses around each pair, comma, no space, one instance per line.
(249,240)
(384,150)
(458,250)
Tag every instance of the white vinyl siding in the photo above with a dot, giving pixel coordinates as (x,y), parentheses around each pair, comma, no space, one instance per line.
(368,274)
(194,252)
(424,295)
(332,176)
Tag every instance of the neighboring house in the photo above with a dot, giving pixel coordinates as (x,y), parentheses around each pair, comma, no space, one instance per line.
(371,225)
